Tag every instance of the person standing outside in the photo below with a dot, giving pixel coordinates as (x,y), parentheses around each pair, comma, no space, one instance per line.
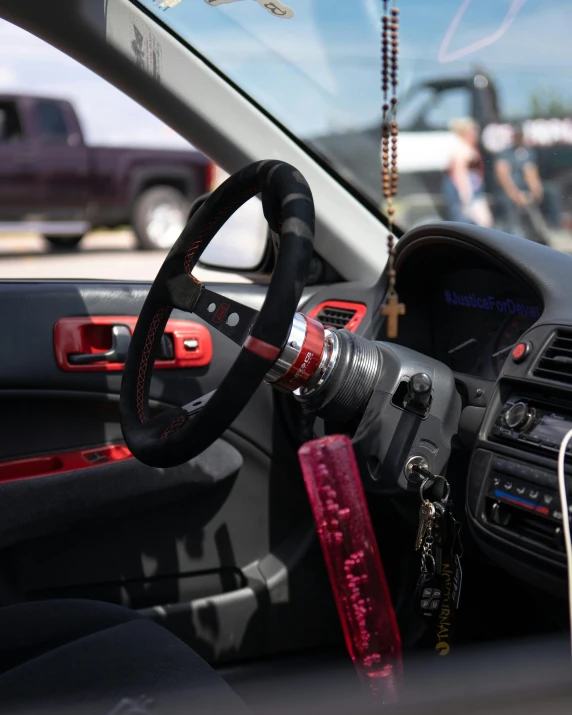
(521,190)
(463,182)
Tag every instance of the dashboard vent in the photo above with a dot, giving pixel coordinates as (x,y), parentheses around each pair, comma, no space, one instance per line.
(339,314)
(556,361)
(335,317)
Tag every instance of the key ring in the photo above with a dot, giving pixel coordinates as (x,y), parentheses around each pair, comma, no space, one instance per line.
(422,487)
(445,498)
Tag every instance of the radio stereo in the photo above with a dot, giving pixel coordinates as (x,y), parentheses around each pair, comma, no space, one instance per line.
(521,500)
(532,425)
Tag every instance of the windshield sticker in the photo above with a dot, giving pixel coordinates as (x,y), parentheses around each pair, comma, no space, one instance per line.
(274,7)
(489,302)
(166,4)
(145,48)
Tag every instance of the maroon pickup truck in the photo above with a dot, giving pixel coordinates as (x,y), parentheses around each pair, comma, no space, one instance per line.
(52,183)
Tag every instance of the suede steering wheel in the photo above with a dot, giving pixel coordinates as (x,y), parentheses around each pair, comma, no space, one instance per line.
(179,434)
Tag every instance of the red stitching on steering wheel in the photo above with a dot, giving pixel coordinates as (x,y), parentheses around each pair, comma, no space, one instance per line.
(189,255)
(145,362)
(175,426)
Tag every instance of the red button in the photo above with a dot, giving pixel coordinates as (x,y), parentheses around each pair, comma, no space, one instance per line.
(520,351)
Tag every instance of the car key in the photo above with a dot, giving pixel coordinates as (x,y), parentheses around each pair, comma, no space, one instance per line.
(429,595)
(426,521)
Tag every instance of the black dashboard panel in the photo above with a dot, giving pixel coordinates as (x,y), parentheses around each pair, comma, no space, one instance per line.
(464,308)
(477,316)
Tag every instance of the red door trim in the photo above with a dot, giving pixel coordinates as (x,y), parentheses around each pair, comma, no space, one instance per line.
(92,334)
(42,466)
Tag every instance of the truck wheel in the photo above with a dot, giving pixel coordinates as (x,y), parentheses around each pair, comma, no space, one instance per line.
(159,215)
(63,243)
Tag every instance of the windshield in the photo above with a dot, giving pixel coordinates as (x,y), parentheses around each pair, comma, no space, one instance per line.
(503,65)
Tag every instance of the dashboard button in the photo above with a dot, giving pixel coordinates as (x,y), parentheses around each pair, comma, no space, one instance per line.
(521,351)
(524,472)
(548,499)
(546,503)
(540,478)
(533,494)
(510,468)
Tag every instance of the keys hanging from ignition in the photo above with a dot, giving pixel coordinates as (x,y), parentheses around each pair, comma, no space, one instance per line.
(426,521)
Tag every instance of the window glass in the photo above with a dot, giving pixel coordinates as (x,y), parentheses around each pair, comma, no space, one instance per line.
(447,106)
(71,201)
(51,122)
(499,71)
(10,128)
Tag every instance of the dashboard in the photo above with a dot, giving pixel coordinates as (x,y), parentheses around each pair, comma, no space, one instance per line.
(471,294)
(478,316)
(465,309)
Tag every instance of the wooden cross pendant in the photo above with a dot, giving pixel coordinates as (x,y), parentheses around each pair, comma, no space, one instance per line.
(392,310)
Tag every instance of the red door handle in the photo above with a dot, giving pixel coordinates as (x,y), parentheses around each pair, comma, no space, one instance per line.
(87,344)
(120,339)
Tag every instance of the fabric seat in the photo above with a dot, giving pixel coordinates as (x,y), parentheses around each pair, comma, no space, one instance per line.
(71,656)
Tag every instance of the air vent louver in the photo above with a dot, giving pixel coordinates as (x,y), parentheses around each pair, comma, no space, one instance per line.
(335,317)
(556,360)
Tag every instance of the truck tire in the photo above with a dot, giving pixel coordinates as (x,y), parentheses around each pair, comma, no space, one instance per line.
(63,243)
(159,215)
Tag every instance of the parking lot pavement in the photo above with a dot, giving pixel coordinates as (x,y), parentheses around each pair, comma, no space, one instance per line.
(109,255)
(101,254)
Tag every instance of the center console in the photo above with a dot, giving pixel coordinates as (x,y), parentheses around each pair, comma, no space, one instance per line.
(513,499)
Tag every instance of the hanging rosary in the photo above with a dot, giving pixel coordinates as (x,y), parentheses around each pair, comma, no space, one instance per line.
(392,308)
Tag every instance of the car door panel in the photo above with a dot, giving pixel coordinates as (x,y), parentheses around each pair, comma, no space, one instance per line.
(220,550)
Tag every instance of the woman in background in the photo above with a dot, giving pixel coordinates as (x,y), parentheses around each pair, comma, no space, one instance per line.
(463,183)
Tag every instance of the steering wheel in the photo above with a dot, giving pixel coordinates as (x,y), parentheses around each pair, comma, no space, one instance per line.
(179,434)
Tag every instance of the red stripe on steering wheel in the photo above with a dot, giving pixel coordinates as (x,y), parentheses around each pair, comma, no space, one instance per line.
(262,349)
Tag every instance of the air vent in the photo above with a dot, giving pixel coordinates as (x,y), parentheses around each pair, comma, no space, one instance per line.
(335,317)
(339,314)
(556,360)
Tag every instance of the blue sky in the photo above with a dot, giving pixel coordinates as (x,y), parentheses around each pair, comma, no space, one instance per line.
(318,71)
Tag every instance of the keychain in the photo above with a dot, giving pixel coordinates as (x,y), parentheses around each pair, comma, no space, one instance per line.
(438,588)
(429,591)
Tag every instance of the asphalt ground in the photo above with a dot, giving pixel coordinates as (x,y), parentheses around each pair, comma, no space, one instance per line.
(101,254)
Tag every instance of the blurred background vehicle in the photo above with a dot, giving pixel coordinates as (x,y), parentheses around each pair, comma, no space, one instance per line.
(427,114)
(52,183)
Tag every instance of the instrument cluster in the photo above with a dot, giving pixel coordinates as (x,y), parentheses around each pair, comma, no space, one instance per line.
(478,317)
